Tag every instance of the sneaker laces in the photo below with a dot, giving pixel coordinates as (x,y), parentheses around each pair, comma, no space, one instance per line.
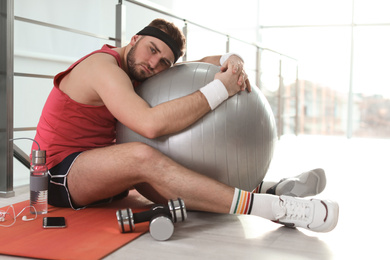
(292,210)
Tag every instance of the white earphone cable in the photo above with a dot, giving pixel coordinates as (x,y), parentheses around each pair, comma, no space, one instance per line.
(3,215)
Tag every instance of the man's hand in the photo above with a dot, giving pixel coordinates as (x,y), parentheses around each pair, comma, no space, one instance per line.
(238,68)
(233,76)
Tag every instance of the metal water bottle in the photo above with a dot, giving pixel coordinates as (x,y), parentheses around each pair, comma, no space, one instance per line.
(38,182)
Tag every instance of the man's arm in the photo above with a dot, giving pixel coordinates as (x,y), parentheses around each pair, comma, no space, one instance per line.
(117,93)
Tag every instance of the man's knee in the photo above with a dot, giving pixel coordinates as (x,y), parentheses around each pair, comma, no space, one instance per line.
(144,161)
(143,153)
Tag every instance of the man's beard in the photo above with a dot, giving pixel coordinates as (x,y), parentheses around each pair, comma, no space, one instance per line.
(139,76)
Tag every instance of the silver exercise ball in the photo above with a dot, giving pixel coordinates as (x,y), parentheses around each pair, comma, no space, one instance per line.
(233,144)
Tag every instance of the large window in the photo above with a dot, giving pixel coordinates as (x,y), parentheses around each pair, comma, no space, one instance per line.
(343,53)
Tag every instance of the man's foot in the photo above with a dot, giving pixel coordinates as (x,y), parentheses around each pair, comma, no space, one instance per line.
(314,214)
(306,184)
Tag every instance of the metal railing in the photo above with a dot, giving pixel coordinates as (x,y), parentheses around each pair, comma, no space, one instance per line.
(7,18)
(6,97)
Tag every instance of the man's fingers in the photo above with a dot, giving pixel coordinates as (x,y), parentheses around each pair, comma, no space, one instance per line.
(243,82)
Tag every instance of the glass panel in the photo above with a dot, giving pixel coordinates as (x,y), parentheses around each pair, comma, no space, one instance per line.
(269,81)
(229,16)
(324,60)
(371,82)
(372,11)
(202,43)
(304,12)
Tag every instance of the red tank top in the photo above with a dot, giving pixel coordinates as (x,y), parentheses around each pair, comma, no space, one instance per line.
(66,126)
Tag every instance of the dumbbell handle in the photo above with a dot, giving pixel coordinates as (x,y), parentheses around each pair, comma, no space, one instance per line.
(148,215)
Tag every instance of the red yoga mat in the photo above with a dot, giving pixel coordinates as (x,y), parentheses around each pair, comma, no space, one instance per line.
(91,233)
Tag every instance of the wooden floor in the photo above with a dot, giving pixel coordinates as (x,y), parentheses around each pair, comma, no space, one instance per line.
(358,179)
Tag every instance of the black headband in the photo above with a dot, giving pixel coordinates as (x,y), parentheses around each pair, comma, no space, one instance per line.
(155,32)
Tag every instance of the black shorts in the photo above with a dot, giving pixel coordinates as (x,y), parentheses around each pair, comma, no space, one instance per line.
(58,193)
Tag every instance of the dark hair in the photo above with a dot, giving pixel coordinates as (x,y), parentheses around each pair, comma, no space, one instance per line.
(173,31)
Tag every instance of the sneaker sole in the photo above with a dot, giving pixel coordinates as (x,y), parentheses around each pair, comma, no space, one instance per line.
(307,184)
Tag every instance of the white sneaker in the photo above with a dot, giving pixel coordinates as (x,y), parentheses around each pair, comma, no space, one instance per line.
(306,184)
(316,215)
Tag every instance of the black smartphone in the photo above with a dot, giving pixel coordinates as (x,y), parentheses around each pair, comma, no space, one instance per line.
(54,222)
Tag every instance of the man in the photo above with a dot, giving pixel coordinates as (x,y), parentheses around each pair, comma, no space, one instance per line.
(77,129)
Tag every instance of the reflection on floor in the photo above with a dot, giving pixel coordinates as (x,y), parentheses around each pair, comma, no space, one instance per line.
(357,178)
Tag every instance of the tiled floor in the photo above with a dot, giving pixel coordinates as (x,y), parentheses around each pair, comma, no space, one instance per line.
(358,174)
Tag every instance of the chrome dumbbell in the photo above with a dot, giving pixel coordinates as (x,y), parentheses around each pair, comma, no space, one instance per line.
(160,217)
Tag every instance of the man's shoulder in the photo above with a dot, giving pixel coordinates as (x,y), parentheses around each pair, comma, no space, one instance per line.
(102,57)
(103,69)
(100,64)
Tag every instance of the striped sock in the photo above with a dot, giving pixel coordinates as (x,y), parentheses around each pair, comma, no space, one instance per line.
(249,203)
(242,202)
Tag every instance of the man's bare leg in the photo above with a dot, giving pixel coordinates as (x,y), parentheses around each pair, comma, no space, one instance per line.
(105,172)
(102,173)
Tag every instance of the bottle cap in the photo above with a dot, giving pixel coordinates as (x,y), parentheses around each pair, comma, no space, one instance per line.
(38,157)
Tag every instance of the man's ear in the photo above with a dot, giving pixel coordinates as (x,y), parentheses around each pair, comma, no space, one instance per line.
(134,39)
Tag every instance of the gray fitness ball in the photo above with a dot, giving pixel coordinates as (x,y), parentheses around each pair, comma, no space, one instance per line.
(233,144)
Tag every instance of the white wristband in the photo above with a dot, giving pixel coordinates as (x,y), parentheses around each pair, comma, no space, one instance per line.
(226,56)
(215,93)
